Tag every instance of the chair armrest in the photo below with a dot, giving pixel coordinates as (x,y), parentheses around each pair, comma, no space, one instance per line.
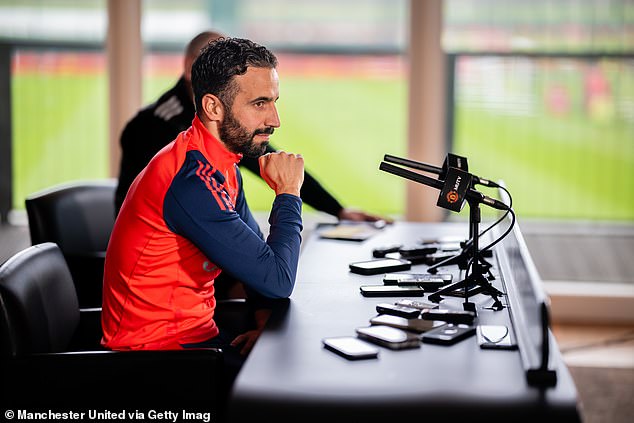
(88,334)
(87,255)
(87,271)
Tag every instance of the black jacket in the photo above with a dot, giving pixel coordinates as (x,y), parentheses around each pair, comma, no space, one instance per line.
(158,124)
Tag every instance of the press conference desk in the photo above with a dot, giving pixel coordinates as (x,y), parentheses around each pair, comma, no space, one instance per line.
(289,376)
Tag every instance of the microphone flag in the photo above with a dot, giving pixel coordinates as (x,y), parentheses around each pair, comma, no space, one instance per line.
(454,191)
(453,160)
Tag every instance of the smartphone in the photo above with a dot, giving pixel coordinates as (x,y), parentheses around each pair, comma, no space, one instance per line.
(428,282)
(397,310)
(443,240)
(350,347)
(420,250)
(414,325)
(414,259)
(434,258)
(389,337)
(447,334)
(391,291)
(425,280)
(453,247)
(451,316)
(374,267)
(495,337)
(382,251)
(421,305)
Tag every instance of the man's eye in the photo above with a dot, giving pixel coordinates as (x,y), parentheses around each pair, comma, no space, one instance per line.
(259,104)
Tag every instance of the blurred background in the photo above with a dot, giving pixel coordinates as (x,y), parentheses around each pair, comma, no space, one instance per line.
(537,93)
(540,93)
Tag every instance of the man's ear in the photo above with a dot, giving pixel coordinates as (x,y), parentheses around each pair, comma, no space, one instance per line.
(213,109)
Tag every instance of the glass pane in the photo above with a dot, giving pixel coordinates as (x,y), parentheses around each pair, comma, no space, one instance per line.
(59,94)
(539,25)
(560,132)
(553,116)
(60,110)
(343,114)
(342,84)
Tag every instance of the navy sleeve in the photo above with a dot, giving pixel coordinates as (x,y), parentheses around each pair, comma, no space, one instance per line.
(198,207)
(243,209)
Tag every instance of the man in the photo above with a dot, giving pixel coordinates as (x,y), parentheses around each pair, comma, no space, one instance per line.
(185,216)
(159,123)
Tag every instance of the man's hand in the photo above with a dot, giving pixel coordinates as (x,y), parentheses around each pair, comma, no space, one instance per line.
(283,172)
(248,339)
(360,216)
(261,316)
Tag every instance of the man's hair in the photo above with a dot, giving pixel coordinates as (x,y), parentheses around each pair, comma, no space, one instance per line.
(220,62)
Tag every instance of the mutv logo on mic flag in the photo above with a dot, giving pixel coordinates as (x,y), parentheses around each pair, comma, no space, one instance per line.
(454,191)
(452,196)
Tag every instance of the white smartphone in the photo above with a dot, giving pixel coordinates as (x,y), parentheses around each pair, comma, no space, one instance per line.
(414,325)
(350,347)
(389,337)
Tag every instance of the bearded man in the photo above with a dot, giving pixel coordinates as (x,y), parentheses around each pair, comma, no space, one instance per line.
(185,218)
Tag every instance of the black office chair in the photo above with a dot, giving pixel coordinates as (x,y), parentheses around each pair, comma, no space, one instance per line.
(50,355)
(78,217)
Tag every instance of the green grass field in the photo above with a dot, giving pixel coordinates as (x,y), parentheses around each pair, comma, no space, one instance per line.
(60,131)
(555,168)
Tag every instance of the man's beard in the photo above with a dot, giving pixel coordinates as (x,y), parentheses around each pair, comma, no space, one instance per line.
(239,140)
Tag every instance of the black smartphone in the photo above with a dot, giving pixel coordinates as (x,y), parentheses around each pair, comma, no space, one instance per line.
(350,347)
(434,258)
(391,291)
(374,267)
(495,337)
(425,280)
(389,337)
(448,334)
(419,250)
(450,316)
(382,251)
(397,310)
(414,325)
(419,259)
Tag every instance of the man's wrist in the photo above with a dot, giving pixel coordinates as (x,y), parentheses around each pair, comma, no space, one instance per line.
(292,191)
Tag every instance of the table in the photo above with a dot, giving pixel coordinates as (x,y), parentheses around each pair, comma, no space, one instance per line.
(289,376)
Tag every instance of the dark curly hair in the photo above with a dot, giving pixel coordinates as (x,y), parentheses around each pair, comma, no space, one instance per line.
(220,61)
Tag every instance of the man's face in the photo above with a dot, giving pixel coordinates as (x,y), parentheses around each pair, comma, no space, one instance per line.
(251,119)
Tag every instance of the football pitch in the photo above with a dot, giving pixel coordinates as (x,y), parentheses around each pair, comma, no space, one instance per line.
(572,168)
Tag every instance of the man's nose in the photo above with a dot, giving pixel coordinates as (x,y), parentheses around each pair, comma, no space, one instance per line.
(273,118)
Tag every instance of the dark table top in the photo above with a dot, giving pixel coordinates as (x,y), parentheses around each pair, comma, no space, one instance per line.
(290,375)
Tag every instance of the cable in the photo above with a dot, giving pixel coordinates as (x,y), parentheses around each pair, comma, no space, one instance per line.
(508,230)
(497,222)
(505,213)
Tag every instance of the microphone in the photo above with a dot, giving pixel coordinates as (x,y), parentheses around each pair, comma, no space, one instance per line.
(469,193)
(452,160)
(413,164)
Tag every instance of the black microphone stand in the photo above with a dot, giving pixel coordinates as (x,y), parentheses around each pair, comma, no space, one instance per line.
(462,258)
(474,282)
(476,277)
